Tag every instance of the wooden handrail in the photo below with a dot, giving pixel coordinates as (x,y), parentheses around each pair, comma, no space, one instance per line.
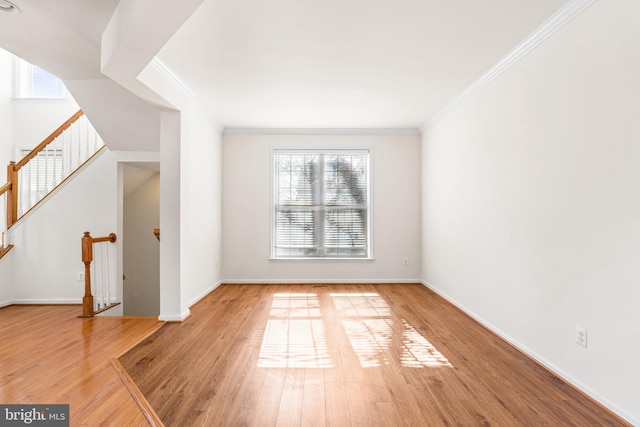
(48,140)
(110,238)
(87,258)
(4,188)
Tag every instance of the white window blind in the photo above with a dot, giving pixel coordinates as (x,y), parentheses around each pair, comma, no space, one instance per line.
(321,204)
(43,173)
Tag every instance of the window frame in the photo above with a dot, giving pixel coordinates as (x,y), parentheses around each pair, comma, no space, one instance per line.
(23,84)
(369,205)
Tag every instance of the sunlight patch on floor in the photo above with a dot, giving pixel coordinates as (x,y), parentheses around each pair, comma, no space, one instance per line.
(369,325)
(295,334)
(418,352)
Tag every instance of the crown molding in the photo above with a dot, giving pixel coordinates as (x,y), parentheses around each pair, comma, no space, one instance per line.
(556,22)
(182,86)
(173,78)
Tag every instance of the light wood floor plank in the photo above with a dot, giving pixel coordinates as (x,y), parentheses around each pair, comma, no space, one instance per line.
(49,356)
(345,355)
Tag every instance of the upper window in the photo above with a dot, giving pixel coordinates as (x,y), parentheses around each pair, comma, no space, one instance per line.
(321,204)
(32,82)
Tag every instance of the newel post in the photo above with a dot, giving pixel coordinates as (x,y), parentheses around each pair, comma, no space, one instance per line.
(87,258)
(12,195)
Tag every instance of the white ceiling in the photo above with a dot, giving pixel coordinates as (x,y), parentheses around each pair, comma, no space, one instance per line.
(343,64)
(136,174)
(298,63)
(62,36)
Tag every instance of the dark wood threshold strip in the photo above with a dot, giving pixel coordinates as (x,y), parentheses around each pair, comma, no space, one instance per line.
(147,410)
(138,397)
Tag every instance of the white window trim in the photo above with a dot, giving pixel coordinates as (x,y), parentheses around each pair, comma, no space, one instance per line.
(22,71)
(272,200)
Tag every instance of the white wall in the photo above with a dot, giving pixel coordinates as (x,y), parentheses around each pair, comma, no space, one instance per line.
(34,120)
(141,296)
(172,308)
(190,200)
(246,210)
(6,146)
(47,254)
(6,279)
(201,211)
(6,112)
(531,214)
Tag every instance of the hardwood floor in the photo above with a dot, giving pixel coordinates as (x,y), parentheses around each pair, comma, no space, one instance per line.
(345,355)
(50,356)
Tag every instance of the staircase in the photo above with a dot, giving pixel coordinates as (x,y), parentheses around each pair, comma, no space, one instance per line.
(43,169)
(101,286)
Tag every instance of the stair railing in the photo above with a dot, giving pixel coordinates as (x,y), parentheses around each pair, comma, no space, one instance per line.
(104,281)
(54,159)
(45,167)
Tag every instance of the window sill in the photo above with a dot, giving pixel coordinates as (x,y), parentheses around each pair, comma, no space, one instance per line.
(319,259)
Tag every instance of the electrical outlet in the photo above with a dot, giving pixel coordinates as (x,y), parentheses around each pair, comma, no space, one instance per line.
(80,276)
(581,336)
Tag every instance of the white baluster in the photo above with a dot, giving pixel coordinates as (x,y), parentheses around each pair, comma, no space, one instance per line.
(46,173)
(69,153)
(102,282)
(78,143)
(54,180)
(36,160)
(28,188)
(94,288)
(108,271)
(102,295)
(86,139)
(21,179)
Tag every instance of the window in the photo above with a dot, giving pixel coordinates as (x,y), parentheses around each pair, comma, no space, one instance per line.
(321,204)
(32,82)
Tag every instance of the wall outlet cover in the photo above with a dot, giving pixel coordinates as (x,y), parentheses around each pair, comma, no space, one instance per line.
(581,336)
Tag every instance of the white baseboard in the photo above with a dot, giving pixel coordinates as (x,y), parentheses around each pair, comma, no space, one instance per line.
(5,303)
(175,318)
(320,281)
(204,293)
(47,301)
(535,356)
